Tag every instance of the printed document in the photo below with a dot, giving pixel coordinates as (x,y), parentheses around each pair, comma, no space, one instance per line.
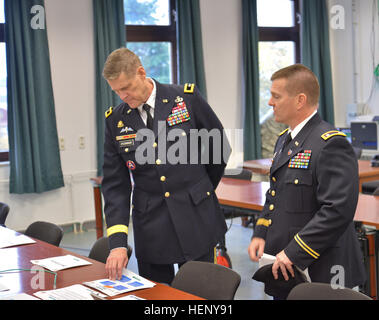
(10,238)
(61,262)
(128,282)
(74,292)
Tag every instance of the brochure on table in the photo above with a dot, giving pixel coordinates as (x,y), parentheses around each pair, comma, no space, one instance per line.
(61,262)
(129,282)
(10,238)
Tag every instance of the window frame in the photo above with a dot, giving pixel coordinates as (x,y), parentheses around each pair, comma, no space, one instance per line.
(157,33)
(4,156)
(284,33)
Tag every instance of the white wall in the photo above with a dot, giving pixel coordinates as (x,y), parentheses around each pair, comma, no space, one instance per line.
(222,46)
(351,58)
(70,33)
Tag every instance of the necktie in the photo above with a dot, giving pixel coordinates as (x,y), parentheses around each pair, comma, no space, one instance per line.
(149,122)
(287,140)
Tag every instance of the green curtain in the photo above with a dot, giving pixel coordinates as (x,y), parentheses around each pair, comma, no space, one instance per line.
(250,39)
(34,157)
(190,44)
(109,26)
(315,51)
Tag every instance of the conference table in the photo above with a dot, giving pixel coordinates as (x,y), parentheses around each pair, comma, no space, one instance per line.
(251,195)
(18,257)
(365,170)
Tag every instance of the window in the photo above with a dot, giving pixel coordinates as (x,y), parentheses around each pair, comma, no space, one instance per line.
(4,147)
(279,43)
(151,34)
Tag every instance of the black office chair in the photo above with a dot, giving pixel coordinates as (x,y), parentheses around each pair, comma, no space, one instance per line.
(207,280)
(4,210)
(358,152)
(239,173)
(324,291)
(242,174)
(45,231)
(370,187)
(100,250)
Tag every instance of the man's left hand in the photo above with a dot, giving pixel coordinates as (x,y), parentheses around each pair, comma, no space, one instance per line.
(284,264)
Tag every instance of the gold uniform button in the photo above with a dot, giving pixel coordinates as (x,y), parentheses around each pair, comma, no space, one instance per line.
(269,222)
(208,193)
(271,207)
(155,145)
(184,134)
(274,179)
(273,193)
(167,194)
(296,181)
(126,149)
(158,161)
(163,178)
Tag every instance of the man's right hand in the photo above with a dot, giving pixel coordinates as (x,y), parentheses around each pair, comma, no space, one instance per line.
(116,262)
(256,248)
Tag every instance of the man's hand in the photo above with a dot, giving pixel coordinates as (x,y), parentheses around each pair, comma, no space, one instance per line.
(116,262)
(284,264)
(256,248)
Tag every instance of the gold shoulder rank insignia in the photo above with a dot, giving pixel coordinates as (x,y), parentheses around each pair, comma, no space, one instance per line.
(264,222)
(108,112)
(332,133)
(283,132)
(189,87)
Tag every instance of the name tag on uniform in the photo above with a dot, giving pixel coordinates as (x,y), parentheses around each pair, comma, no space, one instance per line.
(126,143)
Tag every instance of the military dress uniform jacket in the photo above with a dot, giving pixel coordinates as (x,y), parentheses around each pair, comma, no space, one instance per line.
(311,203)
(176,214)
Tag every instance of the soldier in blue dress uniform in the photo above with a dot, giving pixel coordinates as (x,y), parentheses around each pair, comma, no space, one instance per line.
(307,220)
(152,165)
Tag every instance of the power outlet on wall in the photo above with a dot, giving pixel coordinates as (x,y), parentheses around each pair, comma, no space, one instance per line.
(82,144)
(62,146)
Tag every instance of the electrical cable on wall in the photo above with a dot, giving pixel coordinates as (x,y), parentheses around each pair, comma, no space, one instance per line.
(373,45)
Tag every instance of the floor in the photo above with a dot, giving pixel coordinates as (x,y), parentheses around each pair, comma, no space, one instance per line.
(237,241)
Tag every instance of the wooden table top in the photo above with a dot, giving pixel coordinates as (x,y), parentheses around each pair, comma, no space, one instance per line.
(251,195)
(21,281)
(368,210)
(366,170)
(242,193)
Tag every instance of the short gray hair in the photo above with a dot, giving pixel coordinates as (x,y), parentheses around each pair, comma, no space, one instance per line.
(121,60)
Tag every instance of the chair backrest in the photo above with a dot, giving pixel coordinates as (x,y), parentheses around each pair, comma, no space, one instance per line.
(45,231)
(376,192)
(207,280)
(4,210)
(100,250)
(243,174)
(324,291)
(358,152)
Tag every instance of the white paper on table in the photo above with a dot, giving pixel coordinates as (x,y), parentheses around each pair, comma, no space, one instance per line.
(74,292)
(3,287)
(268,259)
(61,262)
(10,238)
(129,297)
(19,296)
(129,282)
